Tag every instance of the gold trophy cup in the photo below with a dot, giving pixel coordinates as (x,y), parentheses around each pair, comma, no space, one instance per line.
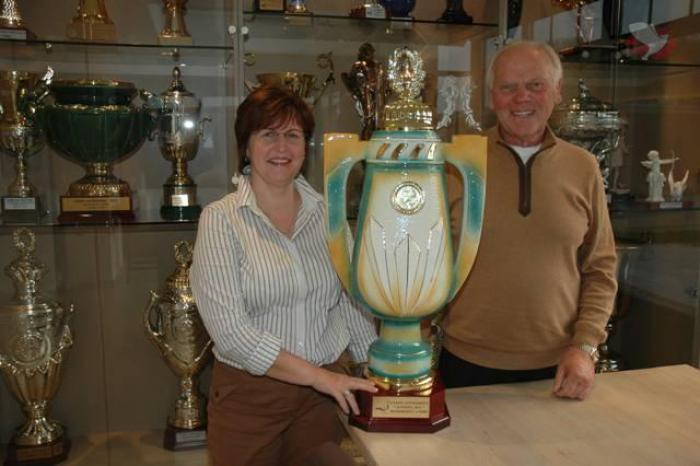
(92,23)
(173,324)
(175,30)
(34,337)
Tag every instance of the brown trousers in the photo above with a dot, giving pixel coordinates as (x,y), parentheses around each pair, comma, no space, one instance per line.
(260,421)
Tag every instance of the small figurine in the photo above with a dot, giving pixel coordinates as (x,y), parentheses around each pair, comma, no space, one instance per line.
(366,83)
(676,188)
(455,93)
(655,178)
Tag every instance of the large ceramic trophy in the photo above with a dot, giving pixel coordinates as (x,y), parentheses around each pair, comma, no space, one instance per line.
(173,324)
(95,124)
(21,136)
(404,267)
(34,338)
(179,132)
(594,125)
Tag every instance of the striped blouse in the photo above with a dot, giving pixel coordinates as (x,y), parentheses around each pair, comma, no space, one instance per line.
(259,291)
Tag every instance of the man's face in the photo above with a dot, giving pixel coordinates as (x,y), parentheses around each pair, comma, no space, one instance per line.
(523,95)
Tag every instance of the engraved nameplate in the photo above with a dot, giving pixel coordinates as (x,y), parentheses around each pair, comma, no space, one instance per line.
(180,200)
(10,33)
(671,205)
(95,204)
(19,203)
(193,436)
(401,407)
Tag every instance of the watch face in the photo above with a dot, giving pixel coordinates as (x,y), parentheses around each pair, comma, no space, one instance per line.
(408,198)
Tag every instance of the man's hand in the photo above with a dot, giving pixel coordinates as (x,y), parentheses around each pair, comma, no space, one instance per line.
(575,375)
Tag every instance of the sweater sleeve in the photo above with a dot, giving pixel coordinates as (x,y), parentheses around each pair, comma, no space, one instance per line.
(597,264)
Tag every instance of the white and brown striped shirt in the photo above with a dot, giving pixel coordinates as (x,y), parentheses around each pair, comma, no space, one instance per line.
(258,291)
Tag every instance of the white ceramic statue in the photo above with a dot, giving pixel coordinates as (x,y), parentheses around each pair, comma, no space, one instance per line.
(676,188)
(655,178)
(455,94)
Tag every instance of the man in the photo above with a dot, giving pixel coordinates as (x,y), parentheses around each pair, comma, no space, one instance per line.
(542,288)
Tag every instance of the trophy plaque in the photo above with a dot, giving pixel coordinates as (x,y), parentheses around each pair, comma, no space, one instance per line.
(368,9)
(21,136)
(175,30)
(92,23)
(269,5)
(179,132)
(403,268)
(34,338)
(173,324)
(94,124)
(11,22)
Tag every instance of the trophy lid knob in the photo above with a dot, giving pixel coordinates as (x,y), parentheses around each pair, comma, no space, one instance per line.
(406,78)
(178,283)
(176,84)
(25,271)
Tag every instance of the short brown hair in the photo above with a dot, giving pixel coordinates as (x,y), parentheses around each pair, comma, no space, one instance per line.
(270,106)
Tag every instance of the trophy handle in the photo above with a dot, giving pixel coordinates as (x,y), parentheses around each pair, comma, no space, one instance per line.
(467,153)
(342,151)
(154,332)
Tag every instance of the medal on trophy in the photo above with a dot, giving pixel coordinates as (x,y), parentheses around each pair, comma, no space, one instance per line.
(21,136)
(179,127)
(11,22)
(173,324)
(91,23)
(34,338)
(175,30)
(404,267)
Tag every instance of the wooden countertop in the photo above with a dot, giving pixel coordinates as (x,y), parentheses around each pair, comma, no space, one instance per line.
(641,417)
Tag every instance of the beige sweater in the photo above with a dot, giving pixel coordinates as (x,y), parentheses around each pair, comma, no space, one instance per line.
(544,276)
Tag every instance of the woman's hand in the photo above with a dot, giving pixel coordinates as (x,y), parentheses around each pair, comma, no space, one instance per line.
(341,387)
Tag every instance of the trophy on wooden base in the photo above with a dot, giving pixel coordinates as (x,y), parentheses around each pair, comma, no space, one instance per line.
(403,268)
(173,324)
(34,339)
(11,22)
(94,124)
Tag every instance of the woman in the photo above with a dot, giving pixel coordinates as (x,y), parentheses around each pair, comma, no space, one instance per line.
(271,300)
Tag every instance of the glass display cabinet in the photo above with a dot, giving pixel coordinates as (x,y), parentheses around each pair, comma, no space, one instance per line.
(116,391)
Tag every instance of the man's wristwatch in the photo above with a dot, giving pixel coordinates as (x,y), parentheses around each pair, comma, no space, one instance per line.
(590,350)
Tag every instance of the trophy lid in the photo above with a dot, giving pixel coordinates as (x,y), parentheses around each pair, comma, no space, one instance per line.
(406,79)
(93,92)
(586,112)
(176,96)
(25,271)
(177,285)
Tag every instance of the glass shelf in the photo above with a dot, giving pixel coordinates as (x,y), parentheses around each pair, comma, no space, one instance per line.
(144,218)
(48,43)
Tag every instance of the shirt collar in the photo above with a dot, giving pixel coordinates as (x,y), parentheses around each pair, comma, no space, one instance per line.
(309,197)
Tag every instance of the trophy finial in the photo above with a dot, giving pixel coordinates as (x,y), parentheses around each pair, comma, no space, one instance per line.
(406,79)
(178,283)
(176,84)
(25,271)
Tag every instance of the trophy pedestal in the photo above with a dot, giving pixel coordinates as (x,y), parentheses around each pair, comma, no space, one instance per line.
(175,40)
(184,439)
(184,213)
(47,454)
(20,209)
(387,411)
(90,209)
(16,33)
(91,31)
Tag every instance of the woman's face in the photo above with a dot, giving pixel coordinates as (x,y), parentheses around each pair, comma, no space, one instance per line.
(277,153)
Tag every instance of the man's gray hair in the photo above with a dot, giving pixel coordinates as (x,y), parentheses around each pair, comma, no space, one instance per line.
(552,56)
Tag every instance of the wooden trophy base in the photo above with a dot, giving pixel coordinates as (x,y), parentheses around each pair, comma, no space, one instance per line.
(40,455)
(76,209)
(184,439)
(387,411)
